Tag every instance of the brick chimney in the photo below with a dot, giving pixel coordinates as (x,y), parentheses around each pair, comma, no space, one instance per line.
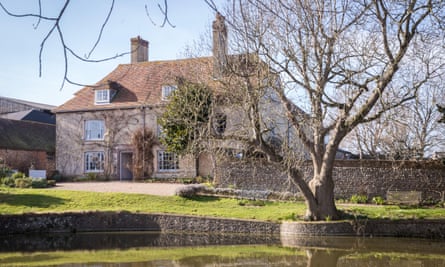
(139,50)
(219,45)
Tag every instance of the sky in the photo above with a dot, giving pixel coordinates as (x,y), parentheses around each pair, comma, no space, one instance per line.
(21,39)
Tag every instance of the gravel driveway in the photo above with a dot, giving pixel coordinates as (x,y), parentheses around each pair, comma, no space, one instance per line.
(160,189)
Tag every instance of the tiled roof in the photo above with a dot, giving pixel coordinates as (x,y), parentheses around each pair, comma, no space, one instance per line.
(140,83)
(24,135)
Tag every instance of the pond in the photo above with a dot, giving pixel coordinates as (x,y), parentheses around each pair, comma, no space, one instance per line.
(141,249)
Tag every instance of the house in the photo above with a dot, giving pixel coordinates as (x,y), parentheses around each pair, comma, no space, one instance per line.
(111,128)
(16,109)
(26,144)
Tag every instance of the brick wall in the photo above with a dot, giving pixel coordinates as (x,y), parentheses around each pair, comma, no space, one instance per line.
(373,178)
(21,160)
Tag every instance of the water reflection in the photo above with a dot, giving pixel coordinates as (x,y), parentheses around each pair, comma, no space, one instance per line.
(142,249)
(125,240)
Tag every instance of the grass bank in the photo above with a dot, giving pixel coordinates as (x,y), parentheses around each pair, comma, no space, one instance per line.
(19,201)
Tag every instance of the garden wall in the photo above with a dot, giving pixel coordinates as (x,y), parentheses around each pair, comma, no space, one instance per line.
(72,222)
(288,232)
(372,178)
(22,160)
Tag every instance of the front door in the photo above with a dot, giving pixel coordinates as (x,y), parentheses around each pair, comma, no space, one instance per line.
(126,166)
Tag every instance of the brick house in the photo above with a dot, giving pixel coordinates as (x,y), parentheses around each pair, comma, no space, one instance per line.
(96,129)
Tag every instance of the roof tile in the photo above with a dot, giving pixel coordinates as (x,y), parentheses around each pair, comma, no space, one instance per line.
(140,83)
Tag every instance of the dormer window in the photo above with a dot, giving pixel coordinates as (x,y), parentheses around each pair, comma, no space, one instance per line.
(103,96)
(167,90)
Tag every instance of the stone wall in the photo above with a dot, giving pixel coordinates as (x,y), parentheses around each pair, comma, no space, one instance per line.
(71,222)
(372,178)
(434,229)
(126,221)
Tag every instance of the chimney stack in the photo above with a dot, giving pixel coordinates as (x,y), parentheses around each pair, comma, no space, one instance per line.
(219,45)
(139,50)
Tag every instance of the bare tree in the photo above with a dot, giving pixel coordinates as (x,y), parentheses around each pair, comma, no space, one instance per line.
(411,131)
(345,62)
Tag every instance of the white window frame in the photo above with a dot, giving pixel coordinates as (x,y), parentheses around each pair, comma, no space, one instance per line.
(102,96)
(94,130)
(94,161)
(167,90)
(167,161)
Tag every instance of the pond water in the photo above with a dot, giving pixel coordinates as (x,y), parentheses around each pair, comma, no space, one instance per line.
(141,249)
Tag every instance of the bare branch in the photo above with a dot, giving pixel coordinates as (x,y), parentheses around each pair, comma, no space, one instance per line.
(164,12)
(110,10)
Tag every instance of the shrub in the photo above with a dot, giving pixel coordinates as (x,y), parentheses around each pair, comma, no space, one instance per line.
(359,199)
(39,183)
(8,182)
(378,200)
(189,191)
(57,176)
(17,175)
(5,171)
(23,182)
(51,183)
(91,176)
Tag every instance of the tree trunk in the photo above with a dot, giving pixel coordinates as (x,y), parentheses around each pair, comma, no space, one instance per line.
(318,193)
(323,190)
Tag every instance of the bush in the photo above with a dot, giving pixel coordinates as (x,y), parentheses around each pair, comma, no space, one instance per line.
(51,183)
(92,176)
(57,177)
(8,182)
(5,171)
(357,199)
(378,200)
(39,183)
(189,191)
(17,175)
(23,182)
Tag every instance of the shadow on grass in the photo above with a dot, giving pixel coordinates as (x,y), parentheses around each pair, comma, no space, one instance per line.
(204,198)
(30,200)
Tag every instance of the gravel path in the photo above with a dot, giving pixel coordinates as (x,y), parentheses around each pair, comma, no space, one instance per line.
(160,189)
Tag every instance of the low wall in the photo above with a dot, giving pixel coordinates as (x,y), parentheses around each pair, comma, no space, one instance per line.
(126,221)
(372,178)
(165,223)
(434,229)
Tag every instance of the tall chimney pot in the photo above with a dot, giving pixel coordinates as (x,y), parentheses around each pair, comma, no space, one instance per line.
(139,50)
(219,45)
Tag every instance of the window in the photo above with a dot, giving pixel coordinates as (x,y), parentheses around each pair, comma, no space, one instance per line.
(94,130)
(167,90)
(167,161)
(220,123)
(94,161)
(103,96)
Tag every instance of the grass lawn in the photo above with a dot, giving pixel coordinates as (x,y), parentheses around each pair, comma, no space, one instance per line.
(18,201)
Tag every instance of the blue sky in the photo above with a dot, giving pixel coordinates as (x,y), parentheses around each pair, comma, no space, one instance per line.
(19,75)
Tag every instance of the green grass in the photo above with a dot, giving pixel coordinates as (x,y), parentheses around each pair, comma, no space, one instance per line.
(184,255)
(19,201)
(393,212)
